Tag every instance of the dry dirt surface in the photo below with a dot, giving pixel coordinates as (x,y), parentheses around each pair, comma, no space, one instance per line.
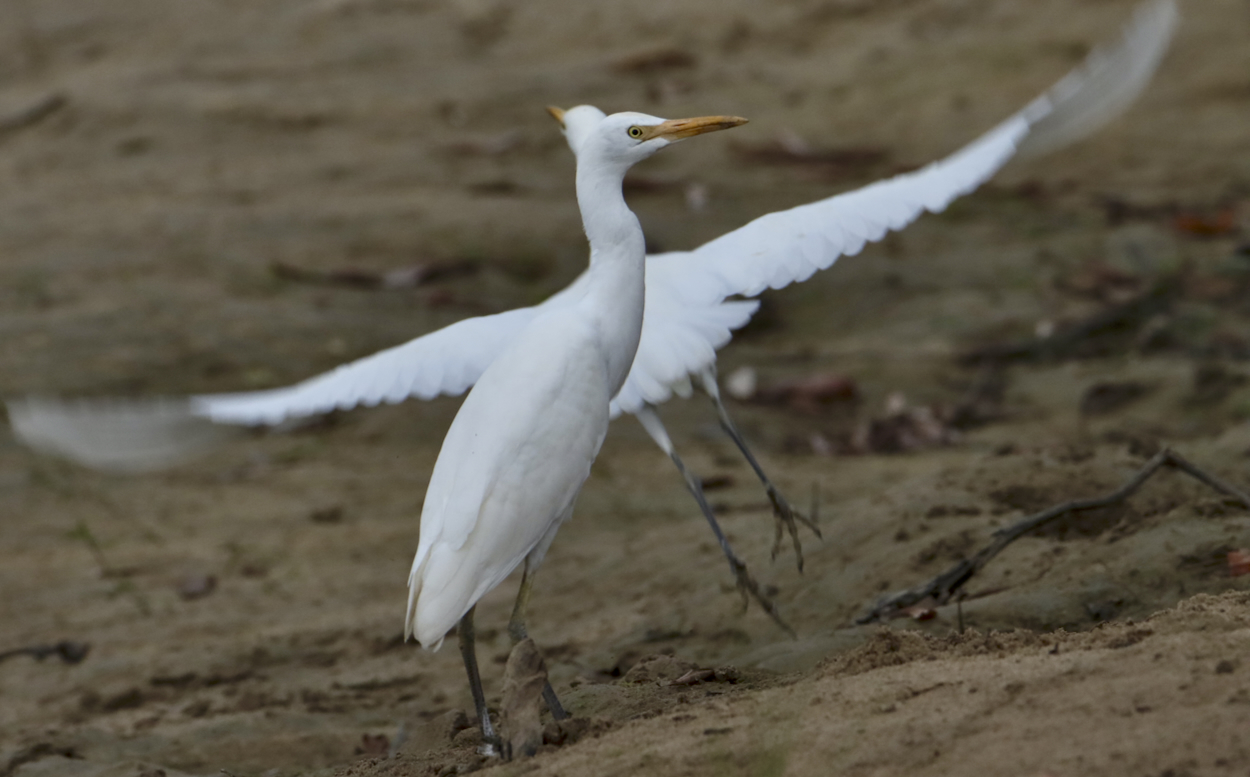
(203,195)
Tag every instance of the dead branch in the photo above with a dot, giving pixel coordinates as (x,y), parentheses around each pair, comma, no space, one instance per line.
(947,584)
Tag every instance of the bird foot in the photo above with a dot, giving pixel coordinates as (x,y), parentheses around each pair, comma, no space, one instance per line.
(787,520)
(492,747)
(749,588)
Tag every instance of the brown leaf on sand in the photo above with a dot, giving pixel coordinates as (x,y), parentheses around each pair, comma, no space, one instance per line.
(1239,562)
(904,428)
(196,585)
(523,681)
(374,745)
(1102,282)
(788,148)
(1108,396)
(809,393)
(1223,222)
(655,60)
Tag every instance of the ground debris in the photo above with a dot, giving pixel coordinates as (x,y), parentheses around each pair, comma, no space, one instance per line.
(559,733)
(1193,220)
(789,148)
(942,588)
(1103,282)
(903,428)
(1212,383)
(32,113)
(809,394)
(655,60)
(1238,562)
(721,674)
(34,753)
(1104,332)
(1107,397)
(407,277)
(196,585)
(657,669)
(373,745)
(69,651)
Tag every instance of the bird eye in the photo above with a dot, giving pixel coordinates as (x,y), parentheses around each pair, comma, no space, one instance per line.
(635,132)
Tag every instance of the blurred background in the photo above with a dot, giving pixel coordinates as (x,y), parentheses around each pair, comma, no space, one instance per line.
(221,195)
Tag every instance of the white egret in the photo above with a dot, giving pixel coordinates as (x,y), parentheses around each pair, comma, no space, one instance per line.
(519,449)
(692,297)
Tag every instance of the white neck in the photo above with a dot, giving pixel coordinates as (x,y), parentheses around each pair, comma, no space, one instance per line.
(616,281)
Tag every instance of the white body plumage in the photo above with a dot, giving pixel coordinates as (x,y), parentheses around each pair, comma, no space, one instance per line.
(521,445)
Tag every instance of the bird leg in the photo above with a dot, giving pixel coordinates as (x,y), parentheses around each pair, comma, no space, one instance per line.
(786,517)
(650,421)
(518,633)
(492,745)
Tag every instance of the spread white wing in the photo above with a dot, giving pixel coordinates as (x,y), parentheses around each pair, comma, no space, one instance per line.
(139,435)
(688,312)
(447,361)
(123,435)
(788,246)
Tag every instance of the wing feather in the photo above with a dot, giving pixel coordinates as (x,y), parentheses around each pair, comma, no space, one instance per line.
(142,435)
(447,361)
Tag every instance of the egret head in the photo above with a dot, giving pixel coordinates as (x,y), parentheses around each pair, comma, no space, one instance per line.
(623,139)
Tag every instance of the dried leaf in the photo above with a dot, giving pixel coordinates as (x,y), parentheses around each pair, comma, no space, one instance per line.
(374,745)
(1205,225)
(809,394)
(398,278)
(655,60)
(1239,562)
(196,585)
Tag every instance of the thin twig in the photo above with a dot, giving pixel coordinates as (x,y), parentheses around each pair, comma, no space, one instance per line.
(941,588)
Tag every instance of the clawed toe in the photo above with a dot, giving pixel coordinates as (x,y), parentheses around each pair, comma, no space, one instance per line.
(748,587)
(787,520)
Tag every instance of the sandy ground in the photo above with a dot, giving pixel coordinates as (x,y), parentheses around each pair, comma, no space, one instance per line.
(157,159)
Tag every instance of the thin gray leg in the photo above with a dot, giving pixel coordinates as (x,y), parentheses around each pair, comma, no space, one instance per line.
(787,518)
(517,632)
(492,744)
(650,421)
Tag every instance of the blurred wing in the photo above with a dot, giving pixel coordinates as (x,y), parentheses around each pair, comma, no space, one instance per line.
(114,435)
(143,435)
(681,331)
(788,246)
(1106,84)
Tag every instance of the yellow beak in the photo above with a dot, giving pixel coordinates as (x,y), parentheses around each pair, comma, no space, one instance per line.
(680,129)
(557,113)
